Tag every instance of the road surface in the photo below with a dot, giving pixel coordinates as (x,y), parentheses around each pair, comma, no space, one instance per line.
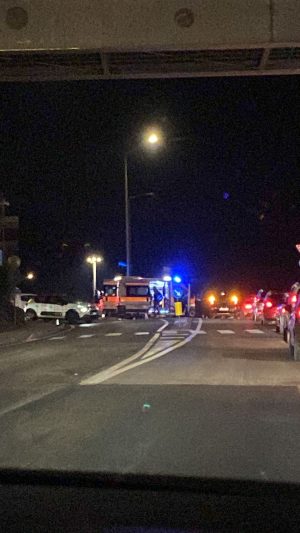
(188,397)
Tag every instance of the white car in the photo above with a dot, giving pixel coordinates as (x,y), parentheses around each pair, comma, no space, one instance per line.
(22,299)
(58,307)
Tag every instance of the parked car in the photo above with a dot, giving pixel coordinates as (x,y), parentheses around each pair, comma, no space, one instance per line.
(21,299)
(293,331)
(285,310)
(258,305)
(53,307)
(272,303)
(247,306)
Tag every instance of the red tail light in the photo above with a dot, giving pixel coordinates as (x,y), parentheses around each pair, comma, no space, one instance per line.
(248,306)
(298,314)
(268,304)
(294,299)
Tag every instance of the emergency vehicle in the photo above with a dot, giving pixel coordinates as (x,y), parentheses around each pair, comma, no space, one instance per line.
(126,295)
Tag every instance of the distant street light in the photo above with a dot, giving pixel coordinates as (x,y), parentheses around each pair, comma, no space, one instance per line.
(151,138)
(93,260)
(30,275)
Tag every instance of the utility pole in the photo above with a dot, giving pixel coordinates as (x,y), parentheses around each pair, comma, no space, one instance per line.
(127,217)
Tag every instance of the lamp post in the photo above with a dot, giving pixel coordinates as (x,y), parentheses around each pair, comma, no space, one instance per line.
(93,260)
(151,138)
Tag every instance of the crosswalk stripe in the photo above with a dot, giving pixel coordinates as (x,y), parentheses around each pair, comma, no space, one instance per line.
(86,336)
(142,333)
(225,331)
(57,338)
(258,331)
(173,337)
(113,334)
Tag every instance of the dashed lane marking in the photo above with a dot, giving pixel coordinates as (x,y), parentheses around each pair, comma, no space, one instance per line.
(90,325)
(113,334)
(57,338)
(255,331)
(86,336)
(173,337)
(226,331)
(142,333)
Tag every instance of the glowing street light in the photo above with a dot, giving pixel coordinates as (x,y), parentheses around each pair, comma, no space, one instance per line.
(30,275)
(94,260)
(151,138)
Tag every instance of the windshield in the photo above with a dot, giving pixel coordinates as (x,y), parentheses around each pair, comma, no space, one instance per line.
(171,205)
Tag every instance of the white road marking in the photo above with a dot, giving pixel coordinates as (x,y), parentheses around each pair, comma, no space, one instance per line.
(86,336)
(166,338)
(90,325)
(226,331)
(142,333)
(124,366)
(254,331)
(170,332)
(105,374)
(31,338)
(57,338)
(165,324)
(201,332)
(113,334)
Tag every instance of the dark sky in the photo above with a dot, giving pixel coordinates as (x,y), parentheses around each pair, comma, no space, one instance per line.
(62,170)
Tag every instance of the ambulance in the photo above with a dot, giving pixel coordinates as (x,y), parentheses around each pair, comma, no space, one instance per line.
(126,296)
(129,296)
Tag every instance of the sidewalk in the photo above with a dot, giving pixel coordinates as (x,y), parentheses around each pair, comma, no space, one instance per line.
(30,332)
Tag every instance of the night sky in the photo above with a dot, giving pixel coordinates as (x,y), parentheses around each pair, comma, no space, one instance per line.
(62,148)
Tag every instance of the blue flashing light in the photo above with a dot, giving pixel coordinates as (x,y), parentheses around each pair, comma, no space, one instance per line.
(122,264)
(226,195)
(177,279)
(167,278)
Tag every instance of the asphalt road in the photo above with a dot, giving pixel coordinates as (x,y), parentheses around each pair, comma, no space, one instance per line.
(212,398)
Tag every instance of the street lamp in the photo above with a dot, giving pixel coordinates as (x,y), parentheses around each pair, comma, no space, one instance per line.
(93,260)
(30,275)
(151,138)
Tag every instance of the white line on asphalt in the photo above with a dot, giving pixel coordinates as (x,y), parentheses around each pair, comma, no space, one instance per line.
(86,336)
(124,366)
(142,333)
(105,374)
(201,332)
(226,331)
(254,331)
(113,334)
(167,337)
(57,338)
(165,324)
(170,332)
(90,325)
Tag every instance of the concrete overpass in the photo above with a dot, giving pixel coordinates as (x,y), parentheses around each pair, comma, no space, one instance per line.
(113,39)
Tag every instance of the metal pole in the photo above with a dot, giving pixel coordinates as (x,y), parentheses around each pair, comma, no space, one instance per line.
(94,278)
(127,216)
(189,298)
